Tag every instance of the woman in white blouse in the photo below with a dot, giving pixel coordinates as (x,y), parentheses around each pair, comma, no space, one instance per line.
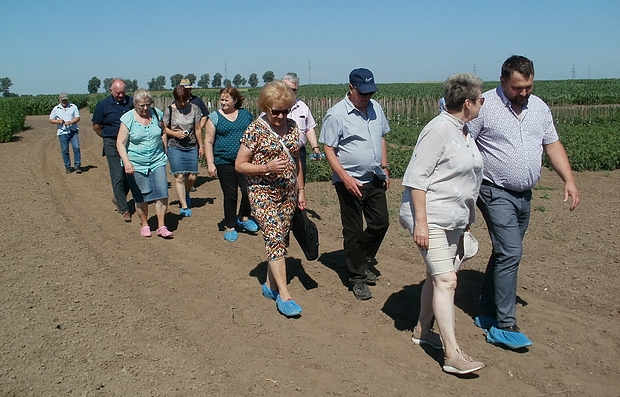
(439,204)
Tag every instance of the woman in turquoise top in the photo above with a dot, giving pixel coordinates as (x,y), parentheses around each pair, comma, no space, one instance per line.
(140,143)
(224,130)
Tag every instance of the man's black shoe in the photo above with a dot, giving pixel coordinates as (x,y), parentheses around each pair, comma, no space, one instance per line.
(361,291)
(370,278)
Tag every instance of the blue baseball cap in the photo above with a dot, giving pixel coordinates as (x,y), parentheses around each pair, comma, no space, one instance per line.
(363,81)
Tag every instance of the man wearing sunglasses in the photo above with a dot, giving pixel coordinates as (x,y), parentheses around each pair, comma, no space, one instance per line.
(353,136)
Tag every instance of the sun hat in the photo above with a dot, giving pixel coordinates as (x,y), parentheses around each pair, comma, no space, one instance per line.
(63,96)
(363,81)
(186,83)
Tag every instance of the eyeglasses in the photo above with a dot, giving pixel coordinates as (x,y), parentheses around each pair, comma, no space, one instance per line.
(481,100)
(294,89)
(144,105)
(277,112)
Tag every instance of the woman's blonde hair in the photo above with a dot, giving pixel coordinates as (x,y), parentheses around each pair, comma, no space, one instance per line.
(275,92)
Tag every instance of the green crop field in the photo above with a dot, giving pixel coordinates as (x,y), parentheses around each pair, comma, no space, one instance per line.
(586,113)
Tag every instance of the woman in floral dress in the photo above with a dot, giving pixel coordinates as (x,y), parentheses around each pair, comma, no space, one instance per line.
(269,157)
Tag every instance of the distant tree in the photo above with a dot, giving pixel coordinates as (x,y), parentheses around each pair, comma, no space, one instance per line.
(268,76)
(239,80)
(107,84)
(227,83)
(5,84)
(157,84)
(131,85)
(191,77)
(93,85)
(175,79)
(253,80)
(217,80)
(204,81)
(10,94)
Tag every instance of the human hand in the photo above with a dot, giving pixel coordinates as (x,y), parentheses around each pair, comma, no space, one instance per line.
(277,166)
(301,199)
(420,235)
(129,168)
(570,190)
(212,170)
(352,185)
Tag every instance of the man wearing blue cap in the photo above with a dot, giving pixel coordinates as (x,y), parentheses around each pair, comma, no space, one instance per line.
(353,134)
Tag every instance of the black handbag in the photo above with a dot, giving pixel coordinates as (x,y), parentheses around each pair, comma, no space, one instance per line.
(306,234)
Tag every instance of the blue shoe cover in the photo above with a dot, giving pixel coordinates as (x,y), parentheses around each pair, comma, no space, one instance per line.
(185,212)
(512,340)
(288,308)
(269,293)
(231,235)
(248,225)
(485,322)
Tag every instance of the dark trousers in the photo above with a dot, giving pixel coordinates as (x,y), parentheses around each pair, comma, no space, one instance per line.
(507,215)
(360,243)
(231,183)
(303,156)
(120,186)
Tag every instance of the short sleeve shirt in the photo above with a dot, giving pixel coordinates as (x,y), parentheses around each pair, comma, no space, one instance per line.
(511,146)
(356,139)
(145,147)
(228,135)
(108,114)
(67,114)
(447,165)
(300,112)
(186,118)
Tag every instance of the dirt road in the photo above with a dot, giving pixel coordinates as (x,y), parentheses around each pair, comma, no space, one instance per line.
(90,308)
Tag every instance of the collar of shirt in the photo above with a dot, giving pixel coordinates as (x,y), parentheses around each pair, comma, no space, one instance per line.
(505,100)
(458,123)
(352,109)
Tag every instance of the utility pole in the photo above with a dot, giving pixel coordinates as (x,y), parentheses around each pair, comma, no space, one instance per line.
(474,69)
(225,71)
(309,73)
(573,71)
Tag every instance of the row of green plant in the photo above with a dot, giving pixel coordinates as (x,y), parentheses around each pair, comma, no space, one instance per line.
(12,116)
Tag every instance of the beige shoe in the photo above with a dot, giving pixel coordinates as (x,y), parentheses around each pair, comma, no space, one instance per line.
(430,338)
(461,364)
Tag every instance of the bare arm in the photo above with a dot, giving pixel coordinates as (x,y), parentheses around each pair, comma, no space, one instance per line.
(208,144)
(350,183)
(301,192)
(244,166)
(385,162)
(420,232)
(311,135)
(121,142)
(98,129)
(559,160)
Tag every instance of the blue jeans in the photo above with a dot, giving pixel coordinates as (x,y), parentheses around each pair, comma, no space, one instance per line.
(65,140)
(507,215)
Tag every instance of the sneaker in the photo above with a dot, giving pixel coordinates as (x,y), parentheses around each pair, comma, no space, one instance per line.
(510,337)
(430,338)
(126,216)
(185,212)
(361,291)
(78,170)
(289,308)
(269,293)
(249,225)
(231,235)
(370,278)
(461,364)
(68,170)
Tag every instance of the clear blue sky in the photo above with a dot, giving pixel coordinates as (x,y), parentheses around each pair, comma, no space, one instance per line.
(50,46)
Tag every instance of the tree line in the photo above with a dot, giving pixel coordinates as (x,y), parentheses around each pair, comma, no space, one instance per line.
(159,83)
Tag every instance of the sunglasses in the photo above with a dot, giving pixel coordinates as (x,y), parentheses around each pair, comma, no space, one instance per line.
(277,112)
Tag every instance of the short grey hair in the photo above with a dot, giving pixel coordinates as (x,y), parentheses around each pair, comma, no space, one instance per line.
(292,78)
(458,88)
(141,95)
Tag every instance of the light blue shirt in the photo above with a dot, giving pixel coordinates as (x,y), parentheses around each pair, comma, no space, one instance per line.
(511,146)
(356,139)
(145,147)
(67,114)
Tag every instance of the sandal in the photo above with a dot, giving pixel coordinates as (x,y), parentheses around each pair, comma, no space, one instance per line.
(145,231)
(164,232)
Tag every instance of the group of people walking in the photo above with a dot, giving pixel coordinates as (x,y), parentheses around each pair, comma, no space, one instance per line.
(483,149)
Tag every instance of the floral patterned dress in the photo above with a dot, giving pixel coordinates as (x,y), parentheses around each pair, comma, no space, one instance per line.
(273,197)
